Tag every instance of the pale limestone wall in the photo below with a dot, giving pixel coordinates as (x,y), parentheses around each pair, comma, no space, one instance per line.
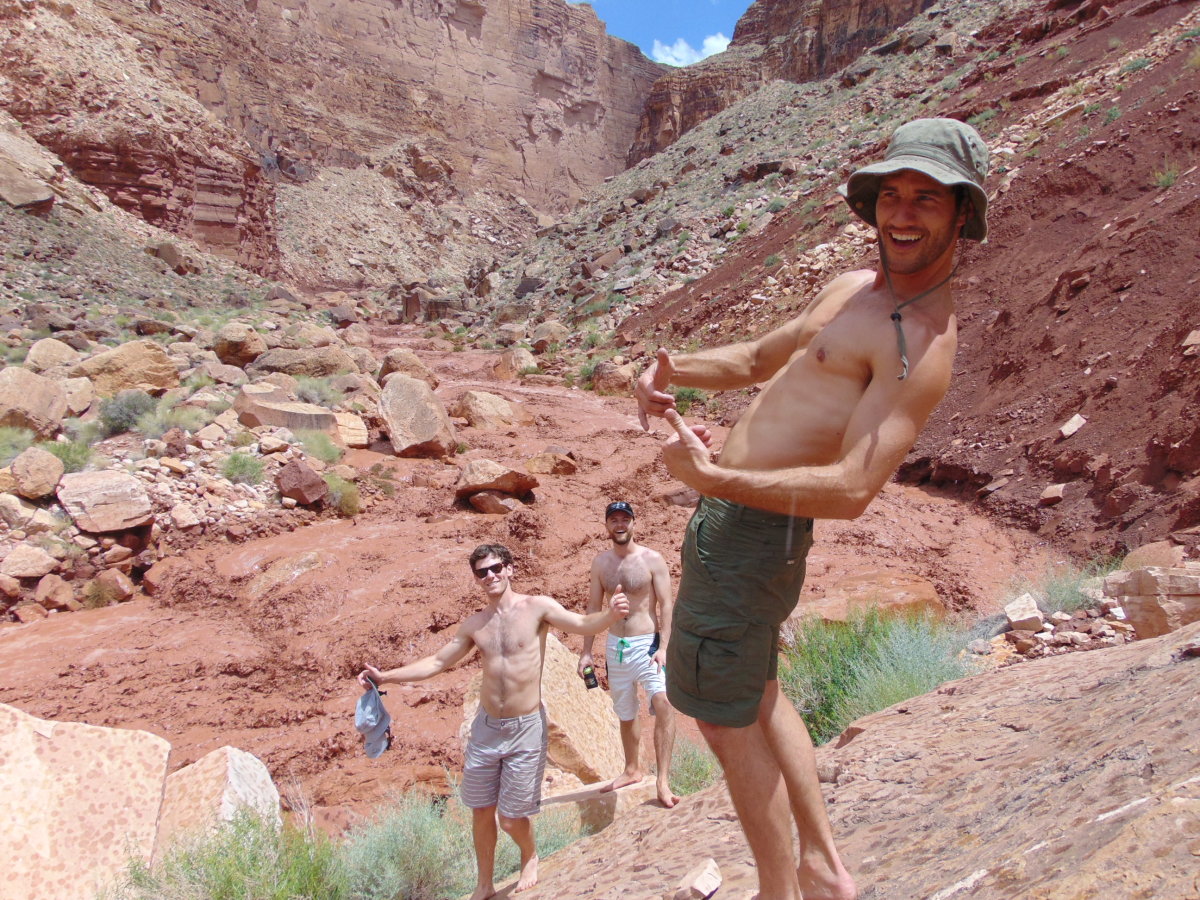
(212,790)
(77,801)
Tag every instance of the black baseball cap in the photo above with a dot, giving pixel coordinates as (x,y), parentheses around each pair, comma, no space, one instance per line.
(619,506)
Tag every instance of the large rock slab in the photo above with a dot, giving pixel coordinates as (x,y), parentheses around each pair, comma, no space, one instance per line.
(894,592)
(259,404)
(403,360)
(29,400)
(1070,777)
(211,791)
(238,344)
(489,411)
(489,475)
(49,353)
(37,472)
(136,365)
(415,420)
(77,801)
(27,561)
(104,501)
(1156,599)
(314,362)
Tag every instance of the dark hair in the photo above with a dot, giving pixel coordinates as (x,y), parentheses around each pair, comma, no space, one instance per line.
(483,551)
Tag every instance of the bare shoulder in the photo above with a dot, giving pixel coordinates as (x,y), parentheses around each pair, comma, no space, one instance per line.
(653,557)
(841,289)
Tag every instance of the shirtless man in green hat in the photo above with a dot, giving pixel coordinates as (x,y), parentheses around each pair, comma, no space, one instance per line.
(846,388)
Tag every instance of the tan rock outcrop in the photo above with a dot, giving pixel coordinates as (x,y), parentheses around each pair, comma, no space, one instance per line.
(211,791)
(316,362)
(403,360)
(37,472)
(136,365)
(1157,600)
(27,561)
(77,802)
(489,475)
(513,362)
(104,501)
(485,410)
(49,353)
(238,344)
(414,418)
(28,400)
(257,405)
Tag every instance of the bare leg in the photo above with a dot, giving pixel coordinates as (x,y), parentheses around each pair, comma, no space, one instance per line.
(631,740)
(521,831)
(664,745)
(821,874)
(760,800)
(483,832)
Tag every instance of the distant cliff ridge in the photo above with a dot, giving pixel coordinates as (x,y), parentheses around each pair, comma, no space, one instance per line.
(792,40)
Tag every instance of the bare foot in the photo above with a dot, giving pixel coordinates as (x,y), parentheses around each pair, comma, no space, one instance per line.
(528,876)
(625,778)
(484,891)
(818,882)
(666,796)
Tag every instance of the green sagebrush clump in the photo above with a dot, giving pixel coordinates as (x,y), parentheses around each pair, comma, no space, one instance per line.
(836,672)
(13,442)
(319,445)
(242,468)
(120,413)
(343,496)
(74,455)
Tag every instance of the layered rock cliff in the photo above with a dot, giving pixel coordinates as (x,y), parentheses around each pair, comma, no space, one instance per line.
(792,40)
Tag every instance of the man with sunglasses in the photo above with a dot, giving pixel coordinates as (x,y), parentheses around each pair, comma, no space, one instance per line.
(636,651)
(506,752)
(846,387)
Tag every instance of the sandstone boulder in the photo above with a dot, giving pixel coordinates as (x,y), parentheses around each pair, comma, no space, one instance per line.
(239,344)
(18,513)
(105,501)
(317,362)
(1157,600)
(488,411)
(137,365)
(27,561)
(512,363)
(258,405)
(488,475)
(547,334)
(116,585)
(414,418)
(211,791)
(49,353)
(298,481)
(54,593)
(37,472)
(28,400)
(352,430)
(893,592)
(78,801)
(494,503)
(80,394)
(1023,614)
(408,363)
(610,378)
(551,464)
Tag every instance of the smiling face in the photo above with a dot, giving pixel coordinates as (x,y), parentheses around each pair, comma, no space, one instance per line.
(492,574)
(620,527)
(918,221)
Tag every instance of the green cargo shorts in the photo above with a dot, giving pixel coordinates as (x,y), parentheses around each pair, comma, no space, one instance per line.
(743,569)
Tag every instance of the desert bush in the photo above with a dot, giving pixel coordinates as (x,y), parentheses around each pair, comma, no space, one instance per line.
(772,261)
(319,445)
(74,455)
(693,767)
(13,442)
(242,468)
(168,414)
(835,672)
(97,594)
(1167,175)
(248,858)
(1061,588)
(120,413)
(243,438)
(685,397)
(778,203)
(343,496)
(1135,65)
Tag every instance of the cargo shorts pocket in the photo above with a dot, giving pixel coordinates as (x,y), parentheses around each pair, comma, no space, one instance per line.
(723,665)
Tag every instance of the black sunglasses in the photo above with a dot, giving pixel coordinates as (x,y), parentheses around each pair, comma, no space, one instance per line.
(494,568)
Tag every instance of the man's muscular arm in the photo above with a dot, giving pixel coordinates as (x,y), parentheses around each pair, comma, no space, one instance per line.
(881,431)
(594,605)
(460,645)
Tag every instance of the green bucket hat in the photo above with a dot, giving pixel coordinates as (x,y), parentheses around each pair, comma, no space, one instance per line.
(946,150)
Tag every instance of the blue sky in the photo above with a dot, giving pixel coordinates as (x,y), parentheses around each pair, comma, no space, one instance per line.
(676,32)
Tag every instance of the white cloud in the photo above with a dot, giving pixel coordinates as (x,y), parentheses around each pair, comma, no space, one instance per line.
(681,53)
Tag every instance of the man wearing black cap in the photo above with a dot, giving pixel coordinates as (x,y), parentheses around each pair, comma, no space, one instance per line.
(635,652)
(847,386)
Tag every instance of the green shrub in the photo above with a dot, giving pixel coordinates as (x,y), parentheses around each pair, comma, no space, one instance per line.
(979,119)
(319,445)
(98,594)
(772,261)
(74,455)
(119,414)
(586,370)
(743,226)
(1061,588)
(835,672)
(1167,175)
(13,442)
(242,468)
(167,414)
(778,203)
(343,496)
(693,768)
(728,212)
(1135,65)
(685,397)
(245,859)
(1113,113)
(318,391)
(530,370)
(243,438)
